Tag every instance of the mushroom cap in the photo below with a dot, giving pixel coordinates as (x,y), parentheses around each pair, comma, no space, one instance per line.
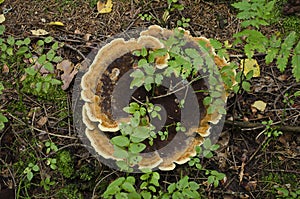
(100,122)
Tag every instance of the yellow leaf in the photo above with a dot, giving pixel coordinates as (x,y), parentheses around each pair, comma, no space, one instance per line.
(249,65)
(259,105)
(104,7)
(39,32)
(1,1)
(56,23)
(2,18)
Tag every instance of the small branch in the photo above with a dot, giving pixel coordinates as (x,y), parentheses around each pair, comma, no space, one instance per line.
(253,126)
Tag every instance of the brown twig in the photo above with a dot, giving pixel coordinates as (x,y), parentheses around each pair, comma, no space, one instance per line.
(254,126)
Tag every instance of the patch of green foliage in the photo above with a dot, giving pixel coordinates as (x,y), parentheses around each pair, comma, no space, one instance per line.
(65,163)
(258,13)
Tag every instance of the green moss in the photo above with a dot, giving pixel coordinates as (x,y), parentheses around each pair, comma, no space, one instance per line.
(70,191)
(65,164)
(291,23)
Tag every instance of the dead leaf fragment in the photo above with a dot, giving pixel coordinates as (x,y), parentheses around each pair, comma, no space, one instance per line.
(2,18)
(104,7)
(249,65)
(42,121)
(56,23)
(259,105)
(69,72)
(5,69)
(39,32)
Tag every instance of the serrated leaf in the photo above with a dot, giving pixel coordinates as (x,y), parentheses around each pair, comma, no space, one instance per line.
(296,62)
(271,55)
(284,53)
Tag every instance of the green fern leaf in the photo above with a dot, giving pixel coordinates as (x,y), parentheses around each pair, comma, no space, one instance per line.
(296,62)
(285,50)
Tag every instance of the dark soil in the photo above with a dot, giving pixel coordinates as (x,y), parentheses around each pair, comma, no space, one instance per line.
(252,168)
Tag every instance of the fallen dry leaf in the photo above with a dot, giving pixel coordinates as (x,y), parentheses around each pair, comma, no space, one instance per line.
(39,32)
(2,18)
(249,65)
(69,72)
(56,23)
(42,121)
(259,105)
(104,7)
(5,69)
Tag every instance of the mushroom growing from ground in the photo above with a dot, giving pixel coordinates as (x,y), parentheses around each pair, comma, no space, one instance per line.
(105,91)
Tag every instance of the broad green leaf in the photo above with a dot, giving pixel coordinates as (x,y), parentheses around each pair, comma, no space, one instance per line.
(144,52)
(128,187)
(207,143)
(130,179)
(29,176)
(42,59)
(120,141)
(27,41)
(22,50)
(50,54)
(120,153)
(48,39)
(141,132)
(246,86)
(3,118)
(171,188)
(10,40)
(54,46)
(49,67)
(136,147)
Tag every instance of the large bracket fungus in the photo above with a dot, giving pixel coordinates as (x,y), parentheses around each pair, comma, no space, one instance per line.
(105,91)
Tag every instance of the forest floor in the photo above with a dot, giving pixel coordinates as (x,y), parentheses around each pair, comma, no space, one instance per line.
(256,166)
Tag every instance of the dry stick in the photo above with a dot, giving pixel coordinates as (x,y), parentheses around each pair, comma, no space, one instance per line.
(254,126)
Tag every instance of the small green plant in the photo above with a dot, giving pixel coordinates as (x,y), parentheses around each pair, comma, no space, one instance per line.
(33,60)
(47,183)
(129,144)
(214,177)
(50,146)
(150,184)
(183,22)
(269,130)
(52,163)
(283,192)
(255,14)
(145,17)
(182,189)
(30,169)
(121,188)
(209,148)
